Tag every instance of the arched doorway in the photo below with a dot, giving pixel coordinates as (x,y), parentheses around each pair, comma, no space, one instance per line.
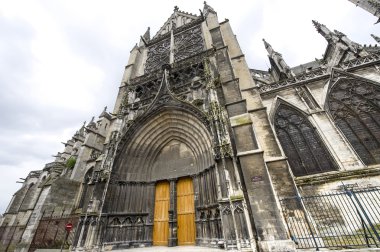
(165,160)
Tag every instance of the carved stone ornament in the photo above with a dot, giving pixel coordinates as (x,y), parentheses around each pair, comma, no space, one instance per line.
(188,43)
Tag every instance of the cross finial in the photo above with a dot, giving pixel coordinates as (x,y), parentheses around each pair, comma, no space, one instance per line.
(176,8)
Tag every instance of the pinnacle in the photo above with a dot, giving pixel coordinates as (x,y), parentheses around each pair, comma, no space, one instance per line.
(341,34)
(376,38)
(207,8)
(316,24)
(266,43)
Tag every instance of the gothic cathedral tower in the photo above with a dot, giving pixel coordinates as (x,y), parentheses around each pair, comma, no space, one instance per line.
(201,150)
(185,163)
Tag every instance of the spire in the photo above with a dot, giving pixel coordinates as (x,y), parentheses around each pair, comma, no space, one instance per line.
(339,34)
(268,47)
(372,6)
(144,39)
(92,124)
(105,114)
(376,38)
(325,32)
(282,69)
(207,9)
(353,46)
(340,47)
(146,35)
(81,131)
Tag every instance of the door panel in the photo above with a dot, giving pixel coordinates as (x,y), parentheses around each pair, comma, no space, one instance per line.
(185,212)
(161,214)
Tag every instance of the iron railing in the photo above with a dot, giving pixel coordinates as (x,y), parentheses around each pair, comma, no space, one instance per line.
(345,219)
(51,232)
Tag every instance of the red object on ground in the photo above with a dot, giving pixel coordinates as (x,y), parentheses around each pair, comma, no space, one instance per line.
(69,226)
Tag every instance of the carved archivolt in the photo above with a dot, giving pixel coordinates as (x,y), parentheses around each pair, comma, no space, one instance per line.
(137,159)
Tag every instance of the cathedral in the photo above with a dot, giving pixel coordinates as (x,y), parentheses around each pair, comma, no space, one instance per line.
(202,150)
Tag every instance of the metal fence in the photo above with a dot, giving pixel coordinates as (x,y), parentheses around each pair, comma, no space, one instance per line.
(346,219)
(51,232)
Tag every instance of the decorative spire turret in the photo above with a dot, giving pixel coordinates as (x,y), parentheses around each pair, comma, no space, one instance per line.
(282,70)
(268,47)
(325,32)
(81,131)
(207,9)
(354,47)
(372,6)
(340,47)
(105,114)
(92,124)
(376,38)
(146,35)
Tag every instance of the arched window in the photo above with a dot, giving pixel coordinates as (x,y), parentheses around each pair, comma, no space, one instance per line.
(301,143)
(354,105)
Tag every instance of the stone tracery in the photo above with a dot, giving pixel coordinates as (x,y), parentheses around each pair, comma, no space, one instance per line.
(354,105)
(305,150)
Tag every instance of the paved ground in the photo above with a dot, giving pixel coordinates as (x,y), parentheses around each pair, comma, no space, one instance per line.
(199,249)
(172,249)
(155,249)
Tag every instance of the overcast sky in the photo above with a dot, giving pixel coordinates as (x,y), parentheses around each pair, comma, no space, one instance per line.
(62,61)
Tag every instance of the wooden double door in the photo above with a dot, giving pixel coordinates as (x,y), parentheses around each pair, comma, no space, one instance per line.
(185,213)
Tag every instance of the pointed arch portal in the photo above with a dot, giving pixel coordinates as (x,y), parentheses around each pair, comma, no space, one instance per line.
(173,143)
(154,176)
(354,105)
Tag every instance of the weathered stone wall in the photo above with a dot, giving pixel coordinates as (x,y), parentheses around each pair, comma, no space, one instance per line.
(62,194)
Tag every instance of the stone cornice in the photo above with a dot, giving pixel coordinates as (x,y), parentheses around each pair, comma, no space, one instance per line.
(337,176)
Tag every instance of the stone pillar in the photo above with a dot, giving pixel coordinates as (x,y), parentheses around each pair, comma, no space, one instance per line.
(237,93)
(173,240)
(196,204)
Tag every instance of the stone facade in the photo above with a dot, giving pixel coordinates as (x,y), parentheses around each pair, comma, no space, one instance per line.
(190,109)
